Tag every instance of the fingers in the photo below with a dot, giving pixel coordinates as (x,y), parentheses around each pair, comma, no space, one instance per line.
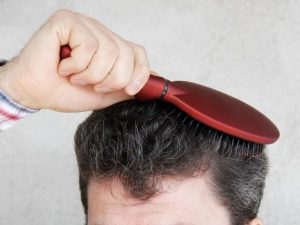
(112,71)
(102,59)
(141,71)
(120,75)
(131,71)
(79,37)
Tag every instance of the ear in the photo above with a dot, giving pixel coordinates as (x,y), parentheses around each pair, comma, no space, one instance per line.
(255,221)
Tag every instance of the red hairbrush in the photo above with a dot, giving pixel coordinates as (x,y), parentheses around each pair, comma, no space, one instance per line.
(211,107)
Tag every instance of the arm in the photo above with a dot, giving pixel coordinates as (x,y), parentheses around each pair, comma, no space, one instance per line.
(10,111)
(103,69)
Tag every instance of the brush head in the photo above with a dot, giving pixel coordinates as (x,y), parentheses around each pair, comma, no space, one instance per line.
(213,108)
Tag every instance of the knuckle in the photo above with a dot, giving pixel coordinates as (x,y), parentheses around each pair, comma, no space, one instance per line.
(144,71)
(59,19)
(94,21)
(62,13)
(80,14)
(140,48)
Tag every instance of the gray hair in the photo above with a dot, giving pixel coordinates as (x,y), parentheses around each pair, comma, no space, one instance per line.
(139,142)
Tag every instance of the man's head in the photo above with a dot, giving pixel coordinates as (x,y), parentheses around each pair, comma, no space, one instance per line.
(151,164)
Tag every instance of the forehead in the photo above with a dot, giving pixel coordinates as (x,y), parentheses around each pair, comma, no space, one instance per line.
(182,202)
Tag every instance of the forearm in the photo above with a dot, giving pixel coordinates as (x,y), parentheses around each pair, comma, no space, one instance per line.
(10,86)
(10,110)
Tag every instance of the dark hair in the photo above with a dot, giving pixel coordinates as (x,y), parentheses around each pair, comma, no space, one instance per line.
(140,142)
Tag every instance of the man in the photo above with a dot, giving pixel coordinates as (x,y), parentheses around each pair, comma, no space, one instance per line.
(139,163)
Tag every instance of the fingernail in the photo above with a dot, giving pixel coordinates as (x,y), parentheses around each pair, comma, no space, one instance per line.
(103,89)
(78,82)
(134,86)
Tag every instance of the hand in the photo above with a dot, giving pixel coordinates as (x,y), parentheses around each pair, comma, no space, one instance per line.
(103,68)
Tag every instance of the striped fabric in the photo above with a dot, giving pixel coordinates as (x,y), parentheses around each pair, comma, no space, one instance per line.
(10,111)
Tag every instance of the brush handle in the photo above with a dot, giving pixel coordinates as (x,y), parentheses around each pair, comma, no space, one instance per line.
(155,88)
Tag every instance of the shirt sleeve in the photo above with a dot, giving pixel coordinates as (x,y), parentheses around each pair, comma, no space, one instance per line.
(11,111)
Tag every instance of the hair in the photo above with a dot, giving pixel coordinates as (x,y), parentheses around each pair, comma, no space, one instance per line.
(141,142)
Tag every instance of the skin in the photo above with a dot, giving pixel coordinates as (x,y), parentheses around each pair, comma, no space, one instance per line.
(103,69)
(188,201)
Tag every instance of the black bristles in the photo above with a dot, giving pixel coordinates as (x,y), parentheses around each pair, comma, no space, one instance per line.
(226,145)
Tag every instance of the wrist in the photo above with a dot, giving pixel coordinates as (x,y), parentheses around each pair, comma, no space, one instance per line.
(11,86)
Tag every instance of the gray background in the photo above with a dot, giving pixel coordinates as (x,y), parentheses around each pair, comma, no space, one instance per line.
(249,49)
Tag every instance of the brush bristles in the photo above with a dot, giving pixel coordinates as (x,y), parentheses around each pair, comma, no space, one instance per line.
(225,145)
